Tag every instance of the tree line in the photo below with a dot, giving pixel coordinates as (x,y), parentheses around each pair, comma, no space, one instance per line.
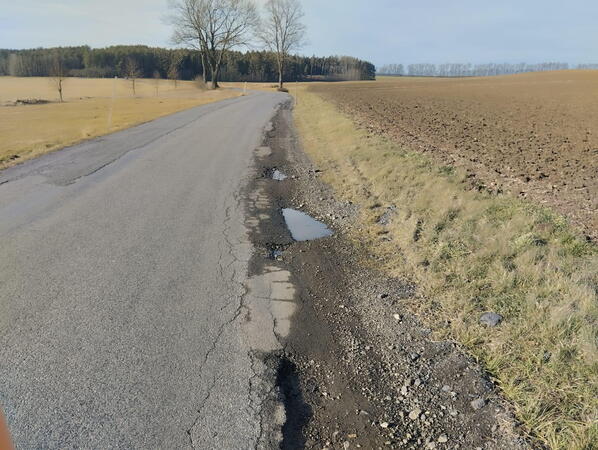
(211,32)
(473,70)
(183,64)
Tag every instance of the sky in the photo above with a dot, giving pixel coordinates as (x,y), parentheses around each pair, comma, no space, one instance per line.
(381,31)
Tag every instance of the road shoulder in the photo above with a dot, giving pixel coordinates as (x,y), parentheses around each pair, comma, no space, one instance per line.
(356,369)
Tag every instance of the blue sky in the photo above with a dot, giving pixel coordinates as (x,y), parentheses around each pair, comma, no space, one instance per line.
(383,31)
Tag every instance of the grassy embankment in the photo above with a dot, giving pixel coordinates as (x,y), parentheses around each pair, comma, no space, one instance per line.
(92,107)
(472,252)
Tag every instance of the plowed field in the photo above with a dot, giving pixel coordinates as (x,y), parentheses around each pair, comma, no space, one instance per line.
(534,135)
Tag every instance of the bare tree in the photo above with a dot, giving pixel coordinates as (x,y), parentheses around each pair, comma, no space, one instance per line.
(132,72)
(282,31)
(156,76)
(58,73)
(213,27)
(189,19)
(174,69)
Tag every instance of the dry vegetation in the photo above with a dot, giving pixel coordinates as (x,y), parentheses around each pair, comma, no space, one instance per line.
(472,252)
(93,107)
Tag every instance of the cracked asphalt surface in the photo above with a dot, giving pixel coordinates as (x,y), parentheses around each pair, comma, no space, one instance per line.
(123,271)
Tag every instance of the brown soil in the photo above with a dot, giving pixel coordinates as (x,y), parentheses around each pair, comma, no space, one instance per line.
(534,135)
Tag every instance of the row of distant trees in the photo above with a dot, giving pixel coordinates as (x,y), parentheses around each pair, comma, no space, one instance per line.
(147,62)
(473,70)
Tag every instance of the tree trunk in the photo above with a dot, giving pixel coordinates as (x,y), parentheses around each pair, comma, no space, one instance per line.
(60,90)
(203,67)
(215,76)
(280,71)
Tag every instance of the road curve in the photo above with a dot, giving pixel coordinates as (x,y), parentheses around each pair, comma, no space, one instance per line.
(122,262)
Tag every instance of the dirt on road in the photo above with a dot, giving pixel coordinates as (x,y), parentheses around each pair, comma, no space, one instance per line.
(535,134)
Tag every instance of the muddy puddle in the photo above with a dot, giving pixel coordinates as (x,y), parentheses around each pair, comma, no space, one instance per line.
(278,175)
(304,227)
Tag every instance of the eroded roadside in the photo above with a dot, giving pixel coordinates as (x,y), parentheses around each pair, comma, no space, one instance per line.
(353,368)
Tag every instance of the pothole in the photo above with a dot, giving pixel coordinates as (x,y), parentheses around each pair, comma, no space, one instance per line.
(303,227)
(298,411)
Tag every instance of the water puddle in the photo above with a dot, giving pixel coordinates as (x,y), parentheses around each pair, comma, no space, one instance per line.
(278,175)
(304,227)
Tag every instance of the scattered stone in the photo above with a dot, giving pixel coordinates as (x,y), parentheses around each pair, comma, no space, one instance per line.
(446,388)
(490,319)
(478,403)
(384,424)
(381,296)
(397,317)
(414,356)
(414,415)
(443,438)
(404,390)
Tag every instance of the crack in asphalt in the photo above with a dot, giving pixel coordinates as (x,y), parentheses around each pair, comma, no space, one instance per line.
(236,314)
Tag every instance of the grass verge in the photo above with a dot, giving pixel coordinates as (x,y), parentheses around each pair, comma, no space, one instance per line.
(472,252)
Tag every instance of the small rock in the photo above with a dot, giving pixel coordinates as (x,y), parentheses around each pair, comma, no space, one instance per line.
(384,424)
(397,317)
(446,388)
(414,415)
(413,356)
(478,403)
(381,296)
(404,390)
(442,438)
(490,319)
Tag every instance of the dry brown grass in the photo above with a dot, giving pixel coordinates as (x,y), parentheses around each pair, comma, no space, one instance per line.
(472,252)
(27,131)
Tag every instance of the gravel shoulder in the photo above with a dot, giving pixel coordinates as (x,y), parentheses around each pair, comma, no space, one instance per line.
(357,370)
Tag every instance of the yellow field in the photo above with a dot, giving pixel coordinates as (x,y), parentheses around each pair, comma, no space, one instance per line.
(92,107)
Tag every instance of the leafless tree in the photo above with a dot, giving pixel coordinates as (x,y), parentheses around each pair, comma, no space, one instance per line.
(58,73)
(156,76)
(282,30)
(213,27)
(133,72)
(174,69)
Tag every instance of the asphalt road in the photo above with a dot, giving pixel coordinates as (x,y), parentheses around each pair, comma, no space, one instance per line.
(122,268)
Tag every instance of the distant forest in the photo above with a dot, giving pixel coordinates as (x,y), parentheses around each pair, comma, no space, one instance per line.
(150,62)
(473,70)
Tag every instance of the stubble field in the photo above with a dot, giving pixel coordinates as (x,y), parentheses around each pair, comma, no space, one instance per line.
(535,134)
